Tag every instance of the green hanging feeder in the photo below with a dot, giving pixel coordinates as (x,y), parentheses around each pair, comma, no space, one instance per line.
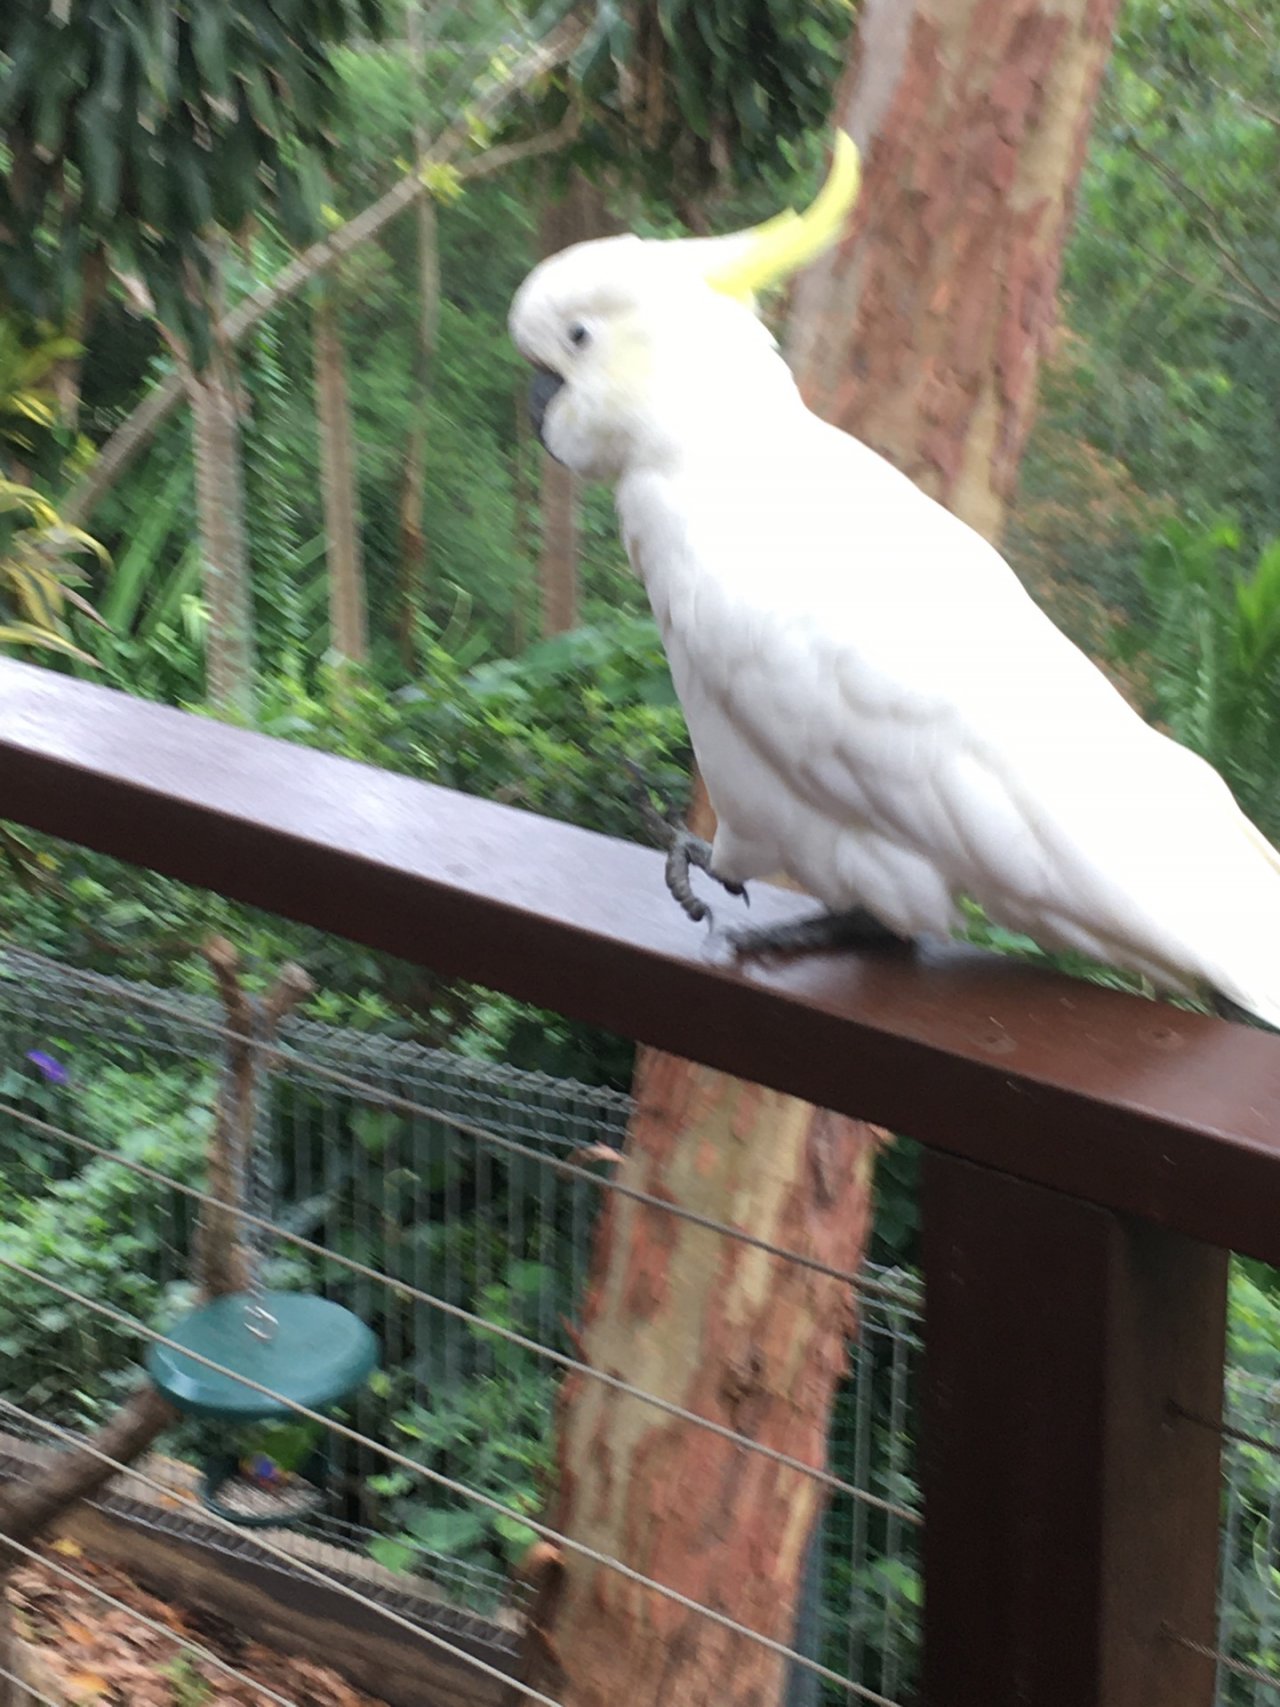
(305,1349)
(279,1349)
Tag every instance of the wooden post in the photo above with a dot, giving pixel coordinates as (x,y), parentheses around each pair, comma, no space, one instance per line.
(1071,1513)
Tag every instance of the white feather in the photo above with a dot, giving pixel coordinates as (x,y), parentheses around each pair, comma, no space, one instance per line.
(877,706)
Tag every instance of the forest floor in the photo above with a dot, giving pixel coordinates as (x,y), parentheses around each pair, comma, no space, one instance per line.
(81,1652)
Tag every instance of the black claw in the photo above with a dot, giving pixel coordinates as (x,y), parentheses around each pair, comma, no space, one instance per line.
(684,850)
(855,928)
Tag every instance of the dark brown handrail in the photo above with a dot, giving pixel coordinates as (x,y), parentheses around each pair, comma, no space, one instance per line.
(1081,1142)
(1138,1107)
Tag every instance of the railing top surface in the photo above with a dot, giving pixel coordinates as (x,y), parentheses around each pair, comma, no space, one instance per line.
(1132,1105)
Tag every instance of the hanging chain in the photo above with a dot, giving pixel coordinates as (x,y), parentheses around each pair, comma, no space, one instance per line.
(255,1181)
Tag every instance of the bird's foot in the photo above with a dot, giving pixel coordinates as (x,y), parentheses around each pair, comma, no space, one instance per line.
(685,851)
(852,928)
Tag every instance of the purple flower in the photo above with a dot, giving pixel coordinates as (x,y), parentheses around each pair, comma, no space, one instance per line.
(49,1067)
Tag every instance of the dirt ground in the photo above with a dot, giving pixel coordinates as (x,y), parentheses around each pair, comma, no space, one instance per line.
(83,1653)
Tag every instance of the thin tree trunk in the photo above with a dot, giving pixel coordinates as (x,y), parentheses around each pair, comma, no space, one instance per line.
(223,1246)
(135,432)
(558,553)
(348,604)
(573,217)
(215,428)
(524,528)
(414,546)
(412,578)
(923,331)
(67,376)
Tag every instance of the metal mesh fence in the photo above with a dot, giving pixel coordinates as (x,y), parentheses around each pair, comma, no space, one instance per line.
(430,1194)
(450,1203)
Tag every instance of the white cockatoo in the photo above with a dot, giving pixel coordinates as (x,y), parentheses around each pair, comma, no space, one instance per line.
(878,708)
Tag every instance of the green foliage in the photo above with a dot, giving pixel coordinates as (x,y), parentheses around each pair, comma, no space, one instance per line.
(190,1687)
(38,577)
(1172,294)
(490,1428)
(30,356)
(1253,1379)
(699,93)
(91,1225)
(1210,631)
(142,129)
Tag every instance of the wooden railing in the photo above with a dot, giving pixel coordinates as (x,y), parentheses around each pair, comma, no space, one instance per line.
(1090,1157)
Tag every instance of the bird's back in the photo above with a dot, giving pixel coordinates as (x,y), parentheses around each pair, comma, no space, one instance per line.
(877,705)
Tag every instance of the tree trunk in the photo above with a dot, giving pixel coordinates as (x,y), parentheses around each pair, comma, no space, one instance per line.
(414,550)
(524,526)
(138,428)
(573,217)
(973,116)
(558,554)
(744,1338)
(215,428)
(923,331)
(95,273)
(348,606)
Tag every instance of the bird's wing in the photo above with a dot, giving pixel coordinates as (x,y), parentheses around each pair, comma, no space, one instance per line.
(882,658)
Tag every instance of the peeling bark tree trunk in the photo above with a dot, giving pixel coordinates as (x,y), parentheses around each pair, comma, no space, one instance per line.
(574,217)
(922,332)
(348,605)
(215,428)
(744,1338)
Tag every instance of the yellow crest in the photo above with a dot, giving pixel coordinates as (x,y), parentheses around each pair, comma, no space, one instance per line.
(771,252)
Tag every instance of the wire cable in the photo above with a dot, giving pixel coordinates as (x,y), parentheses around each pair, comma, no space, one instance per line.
(185,1642)
(293,1563)
(452,1485)
(406,1289)
(377,1096)
(29,1690)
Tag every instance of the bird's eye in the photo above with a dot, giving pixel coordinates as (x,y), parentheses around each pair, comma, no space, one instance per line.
(578,333)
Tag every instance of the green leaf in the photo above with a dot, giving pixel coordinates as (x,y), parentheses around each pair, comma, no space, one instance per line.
(449,1530)
(208,24)
(392,1555)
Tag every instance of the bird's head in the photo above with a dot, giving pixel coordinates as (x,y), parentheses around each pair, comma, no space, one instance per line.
(635,340)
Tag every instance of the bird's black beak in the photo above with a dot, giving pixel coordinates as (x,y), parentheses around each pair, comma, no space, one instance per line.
(543,388)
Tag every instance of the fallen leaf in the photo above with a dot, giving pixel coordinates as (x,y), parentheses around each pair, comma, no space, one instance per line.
(86,1685)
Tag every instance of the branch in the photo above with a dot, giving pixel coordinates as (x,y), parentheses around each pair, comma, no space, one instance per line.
(1205,214)
(1208,287)
(1269,115)
(135,431)
(223,1252)
(26,1510)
